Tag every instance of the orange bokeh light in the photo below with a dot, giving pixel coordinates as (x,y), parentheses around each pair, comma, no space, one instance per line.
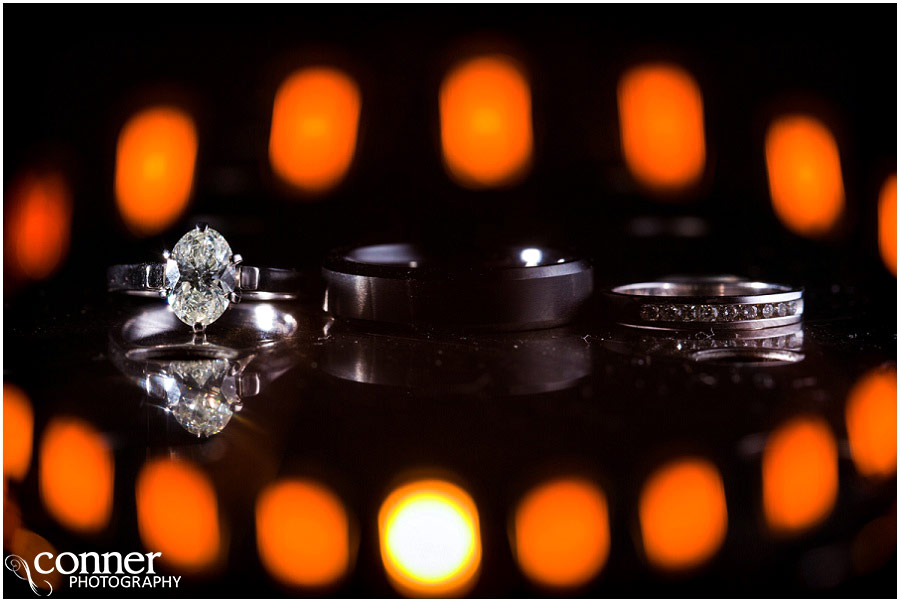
(314,128)
(18,431)
(871,415)
(805,179)
(155,160)
(178,514)
(887,223)
(683,515)
(661,126)
(799,474)
(486,129)
(561,533)
(430,539)
(302,533)
(76,474)
(39,223)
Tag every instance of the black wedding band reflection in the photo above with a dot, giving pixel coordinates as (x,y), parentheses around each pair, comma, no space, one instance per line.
(200,380)
(508,288)
(524,363)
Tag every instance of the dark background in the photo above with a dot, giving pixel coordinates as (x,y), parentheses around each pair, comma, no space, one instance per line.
(74,74)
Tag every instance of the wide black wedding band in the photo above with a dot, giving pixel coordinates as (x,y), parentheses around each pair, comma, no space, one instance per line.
(509,288)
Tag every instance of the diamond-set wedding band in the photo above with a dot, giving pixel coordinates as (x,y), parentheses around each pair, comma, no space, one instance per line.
(201,277)
(725,303)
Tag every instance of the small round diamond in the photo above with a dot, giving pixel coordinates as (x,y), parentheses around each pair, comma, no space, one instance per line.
(670,313)
(689,313)
(748,312)
(706,313)
(730,313)
(768,310)
(782,310)
(649,313)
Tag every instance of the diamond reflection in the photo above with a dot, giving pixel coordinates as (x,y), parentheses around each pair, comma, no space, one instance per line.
(202,382)
(202,395)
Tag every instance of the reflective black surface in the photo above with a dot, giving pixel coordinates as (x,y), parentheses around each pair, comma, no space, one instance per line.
(359,409)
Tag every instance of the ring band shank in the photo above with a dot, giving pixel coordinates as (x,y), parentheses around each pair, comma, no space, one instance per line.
(260,284)
(702,288)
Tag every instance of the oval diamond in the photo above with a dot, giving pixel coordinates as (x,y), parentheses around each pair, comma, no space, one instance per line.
(202,395)
(200,276)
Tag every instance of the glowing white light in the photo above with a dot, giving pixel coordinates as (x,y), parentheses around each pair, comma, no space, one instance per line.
(531,257)
(430,539)
(265,317)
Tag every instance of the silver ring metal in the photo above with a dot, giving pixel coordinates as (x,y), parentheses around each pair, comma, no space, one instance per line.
(201,278)
(724,303)
(253,284)
(200,380)
(759,348)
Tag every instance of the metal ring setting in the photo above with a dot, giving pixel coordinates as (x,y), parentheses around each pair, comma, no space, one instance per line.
(201,277)
(723,303)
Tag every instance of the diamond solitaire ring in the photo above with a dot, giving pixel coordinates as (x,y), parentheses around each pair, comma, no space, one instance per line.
(201,277)
(723,303)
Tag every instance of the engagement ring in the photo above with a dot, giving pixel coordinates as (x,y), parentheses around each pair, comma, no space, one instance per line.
(201,277)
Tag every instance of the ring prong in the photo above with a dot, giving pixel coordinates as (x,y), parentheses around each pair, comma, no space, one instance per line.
(202,226)
(236,259)
(166,254)
(162,294)
(234,297)
(199,328)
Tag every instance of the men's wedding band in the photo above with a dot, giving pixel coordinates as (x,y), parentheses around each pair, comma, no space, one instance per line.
(505,288)
(723,303)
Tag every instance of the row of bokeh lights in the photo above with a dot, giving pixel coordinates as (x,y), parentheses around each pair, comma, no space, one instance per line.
(428,527)
(486,138)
